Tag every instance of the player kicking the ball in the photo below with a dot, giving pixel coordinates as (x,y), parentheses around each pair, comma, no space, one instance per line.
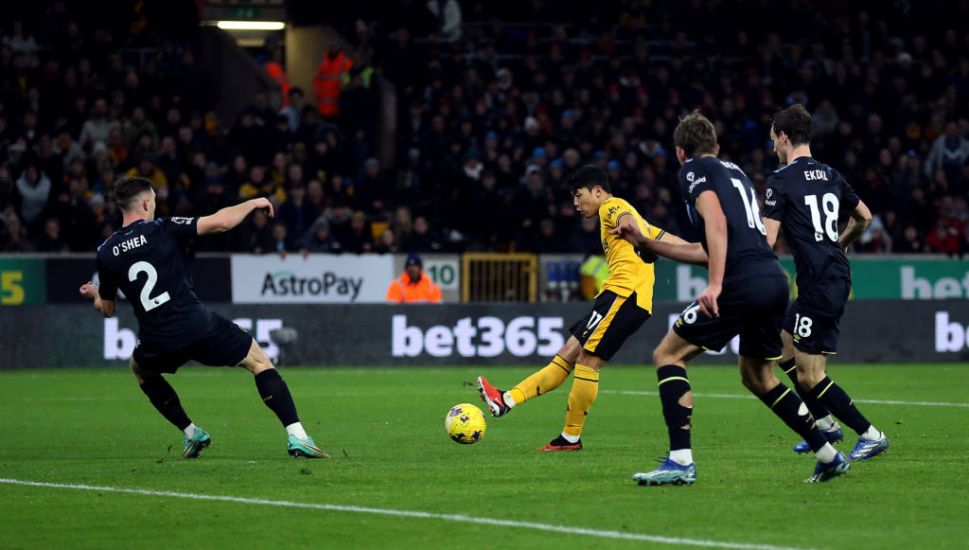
(144,260)
(746,295)
(806,196)
(622,306)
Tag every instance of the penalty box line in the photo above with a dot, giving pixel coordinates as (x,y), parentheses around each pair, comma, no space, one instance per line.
(459,518)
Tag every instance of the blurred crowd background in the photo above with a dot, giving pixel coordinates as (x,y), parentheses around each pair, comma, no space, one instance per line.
(494,109)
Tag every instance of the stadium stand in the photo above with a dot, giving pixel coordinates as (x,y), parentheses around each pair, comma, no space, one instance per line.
(492,116)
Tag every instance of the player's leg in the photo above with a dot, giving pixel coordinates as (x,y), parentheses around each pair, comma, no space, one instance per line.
(676,397)
(163,397)
(540,382)
(613,319)
(812,375)
(585,389)
(275,394)
(826,423)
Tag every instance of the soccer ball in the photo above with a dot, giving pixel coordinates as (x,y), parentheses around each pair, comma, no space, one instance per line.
(465,424)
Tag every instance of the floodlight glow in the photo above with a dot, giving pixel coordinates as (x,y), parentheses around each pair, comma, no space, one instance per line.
(251,25)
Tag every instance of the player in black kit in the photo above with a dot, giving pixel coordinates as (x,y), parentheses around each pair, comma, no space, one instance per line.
(746,295)
(144,260)
(806,197)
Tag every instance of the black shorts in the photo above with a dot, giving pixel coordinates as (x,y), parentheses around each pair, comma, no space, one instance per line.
(612,320)
(812,319)
(223,344)
(752,307)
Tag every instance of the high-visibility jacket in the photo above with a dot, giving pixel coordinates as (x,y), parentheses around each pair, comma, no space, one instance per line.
(402,290)
(326,83)
(278,73)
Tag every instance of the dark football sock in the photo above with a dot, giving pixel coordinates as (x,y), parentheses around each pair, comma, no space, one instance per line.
(275,394)
(162,395)
(841,405)
(818,410)
(788,407)
(673,384)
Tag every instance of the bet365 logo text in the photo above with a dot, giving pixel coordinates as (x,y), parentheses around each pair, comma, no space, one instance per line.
(950,336)
(120,342)
(481,337)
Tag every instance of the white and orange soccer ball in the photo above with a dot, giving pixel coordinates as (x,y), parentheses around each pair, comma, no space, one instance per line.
(465,424)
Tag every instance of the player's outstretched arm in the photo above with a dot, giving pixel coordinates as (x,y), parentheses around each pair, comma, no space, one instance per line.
(104,307)
(667,244)
(231,216)
(857,224)
(715,226)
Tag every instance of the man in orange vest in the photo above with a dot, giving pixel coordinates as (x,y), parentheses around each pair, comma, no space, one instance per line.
(329,77)
(277,72)
(413,286)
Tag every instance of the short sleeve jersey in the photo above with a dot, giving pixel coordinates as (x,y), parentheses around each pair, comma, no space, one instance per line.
(145,261)
(628,273)
(807,197)
(747,249)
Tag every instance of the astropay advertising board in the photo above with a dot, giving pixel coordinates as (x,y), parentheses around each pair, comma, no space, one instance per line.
(314,279)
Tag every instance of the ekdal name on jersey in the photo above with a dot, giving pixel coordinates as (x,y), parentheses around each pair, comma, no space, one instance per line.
(129,244)
(814,175)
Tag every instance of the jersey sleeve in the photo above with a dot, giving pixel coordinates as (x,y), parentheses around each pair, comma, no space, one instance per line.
(693,182)
(182,229)
(774,200)
(849,199)
(616,209)
(108,282)
(652,231)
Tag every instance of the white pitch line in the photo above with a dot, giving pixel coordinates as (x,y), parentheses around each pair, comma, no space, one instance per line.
(404,513)
(741,396)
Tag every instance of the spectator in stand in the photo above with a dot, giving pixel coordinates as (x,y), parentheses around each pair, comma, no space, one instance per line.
(413,285)
(943,240)
(51,240)
(256,236)
(16,236)
(318,239)
(359,239)
(297,213)
(34,187)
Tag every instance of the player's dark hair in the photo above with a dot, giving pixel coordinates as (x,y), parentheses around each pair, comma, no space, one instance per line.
(696,135)
(589,177)
(126,191)
(795,121)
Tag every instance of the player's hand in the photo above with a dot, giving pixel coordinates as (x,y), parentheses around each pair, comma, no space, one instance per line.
(708,301)
(263,202)
(630,232)
(88,290)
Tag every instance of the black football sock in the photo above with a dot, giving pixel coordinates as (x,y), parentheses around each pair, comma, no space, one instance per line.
(275,394)
(788,407)
(840,404)
(673,384)
(162,395)
(817,408)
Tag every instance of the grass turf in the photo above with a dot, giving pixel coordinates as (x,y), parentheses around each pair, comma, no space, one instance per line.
(384,428)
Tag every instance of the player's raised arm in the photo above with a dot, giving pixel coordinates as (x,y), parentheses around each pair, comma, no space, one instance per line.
(715,226)
(857,224)
(231,216)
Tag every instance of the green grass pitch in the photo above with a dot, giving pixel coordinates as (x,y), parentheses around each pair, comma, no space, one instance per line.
(385,430)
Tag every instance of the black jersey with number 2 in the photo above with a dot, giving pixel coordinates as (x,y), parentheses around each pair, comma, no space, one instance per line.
(145,261)
(807,196)
(747,251)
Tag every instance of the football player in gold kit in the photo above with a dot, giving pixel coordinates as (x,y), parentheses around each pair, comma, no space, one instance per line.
(623,304)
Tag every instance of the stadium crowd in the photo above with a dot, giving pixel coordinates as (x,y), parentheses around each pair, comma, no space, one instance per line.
(492,117)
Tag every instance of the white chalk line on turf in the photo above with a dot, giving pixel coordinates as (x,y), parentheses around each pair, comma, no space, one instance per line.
(460,518)
(741,396)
